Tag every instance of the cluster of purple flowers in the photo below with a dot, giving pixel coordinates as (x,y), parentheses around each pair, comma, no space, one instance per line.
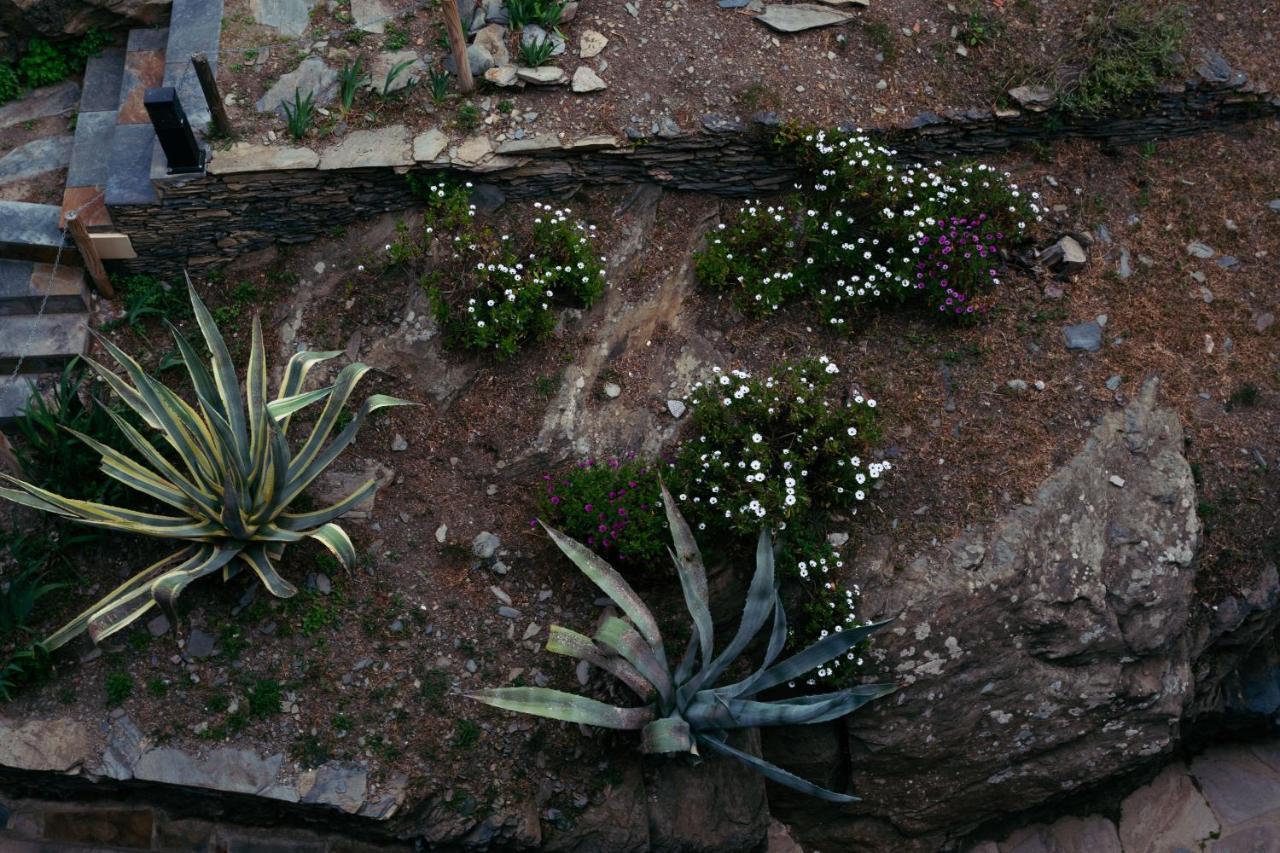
(613,506)
(959,264)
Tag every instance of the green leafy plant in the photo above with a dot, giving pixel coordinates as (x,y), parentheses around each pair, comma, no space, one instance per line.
(683,708)
(119,686)
(549,13)
(393,74)
(227,469)
(979,28)
(468,118)
(51,454)
(264,697)
(396,37)
(300,115)
(10,87)
(18,599)
(536,52)
(42,64)
(350,78)
(439,81)
(1129,49)
(521,12)
(23,666)
(148,296)
(89,45)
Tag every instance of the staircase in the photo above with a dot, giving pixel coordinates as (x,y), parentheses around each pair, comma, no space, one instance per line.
(44,298)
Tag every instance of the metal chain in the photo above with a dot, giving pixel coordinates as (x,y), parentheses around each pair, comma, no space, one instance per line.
(57,263)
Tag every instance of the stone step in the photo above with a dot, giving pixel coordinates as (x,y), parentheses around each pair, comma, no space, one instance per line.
(29,232)
(27,287)
(13,842)
(195,26)
(42,343)
(15,391)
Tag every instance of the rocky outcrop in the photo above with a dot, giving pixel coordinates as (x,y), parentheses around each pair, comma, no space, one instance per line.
(55,18)
(1039,655)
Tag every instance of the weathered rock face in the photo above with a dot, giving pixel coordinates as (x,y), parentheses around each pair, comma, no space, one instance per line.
(54,18)
(1038,655)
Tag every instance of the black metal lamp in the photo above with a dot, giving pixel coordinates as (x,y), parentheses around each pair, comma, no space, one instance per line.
(184,153)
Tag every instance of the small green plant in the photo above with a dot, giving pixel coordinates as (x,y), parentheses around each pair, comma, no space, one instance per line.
(435,684)
(549,13)
(318,617)
(264,697)
(536,52)
(1245,396)
(89,45)
(521,12)
(350,79)
(300,115)
(25,664)
(439,82)
(119,687)
(393,74)
(468,117)
(147,296)
(19,597)
(882,38)
(505,107)
(396,37)
(43,64)
(466,735)
(157,687)
(10,87)
(239,475)
(683,709)
(979,28)
(1129,49)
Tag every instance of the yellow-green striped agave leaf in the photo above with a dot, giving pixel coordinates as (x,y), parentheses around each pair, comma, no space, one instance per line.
(226,479)
(683,710)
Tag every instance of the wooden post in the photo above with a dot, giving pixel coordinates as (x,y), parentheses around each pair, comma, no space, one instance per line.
(89,254)
(458,44)
(221,122)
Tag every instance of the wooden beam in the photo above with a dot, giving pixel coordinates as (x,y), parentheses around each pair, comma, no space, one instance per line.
(204,73)
(458,44)
(92,262)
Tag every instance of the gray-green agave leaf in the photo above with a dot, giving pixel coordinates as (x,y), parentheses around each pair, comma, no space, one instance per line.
(684,709)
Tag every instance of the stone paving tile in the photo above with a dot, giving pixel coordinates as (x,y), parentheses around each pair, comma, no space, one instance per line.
(129,178)
(1261,838)
(95,215)
(1166,814)
(1237,784)
(102,75)
(154,38)
(143,69)
(195,26)
(36,157)
(91,151)
(26,224)
(182,77)
(15,283)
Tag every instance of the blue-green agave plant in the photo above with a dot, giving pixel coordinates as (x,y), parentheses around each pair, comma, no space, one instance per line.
(684,709)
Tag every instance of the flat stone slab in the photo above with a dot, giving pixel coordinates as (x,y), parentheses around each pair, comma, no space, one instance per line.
(586,80)
(248,157)
(42,103)
(27,287)
(543,75)
(37,157)
(1085,336)
(91,149)
(1237,784)
(387,146)
(195,26)
(129,173)
(102,77)
(26,224)
(290,17)
(42,343)
(428,146)
(312,75)
(801,16)
(370,15)
(59,745)
(1166,814)
(337,784)
(238,770)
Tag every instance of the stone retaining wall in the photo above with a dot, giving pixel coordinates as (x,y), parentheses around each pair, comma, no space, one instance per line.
(254,195)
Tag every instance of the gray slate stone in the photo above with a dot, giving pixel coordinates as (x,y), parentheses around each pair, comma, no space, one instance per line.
(226,769)
(1199,250)
(370,15)
(200,644)
(485,545)
(338,784)
(1084,336)
(1274,204)
(37,157)
(49,101)
(801,16)
(312,75)
(290,17)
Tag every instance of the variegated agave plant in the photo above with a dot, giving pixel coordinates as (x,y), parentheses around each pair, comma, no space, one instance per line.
(235,477)
(684,710)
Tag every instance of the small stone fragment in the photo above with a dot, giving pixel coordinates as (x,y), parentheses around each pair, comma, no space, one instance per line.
(442,533)
(1199,250)
(676,408)
(612,389)
(485,545)
(591,43)
(1116,480)
(585,80)
(1084,336)
(398,444)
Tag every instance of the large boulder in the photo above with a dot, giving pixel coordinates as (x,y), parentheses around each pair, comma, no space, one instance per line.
(1038,655)
(55,18)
